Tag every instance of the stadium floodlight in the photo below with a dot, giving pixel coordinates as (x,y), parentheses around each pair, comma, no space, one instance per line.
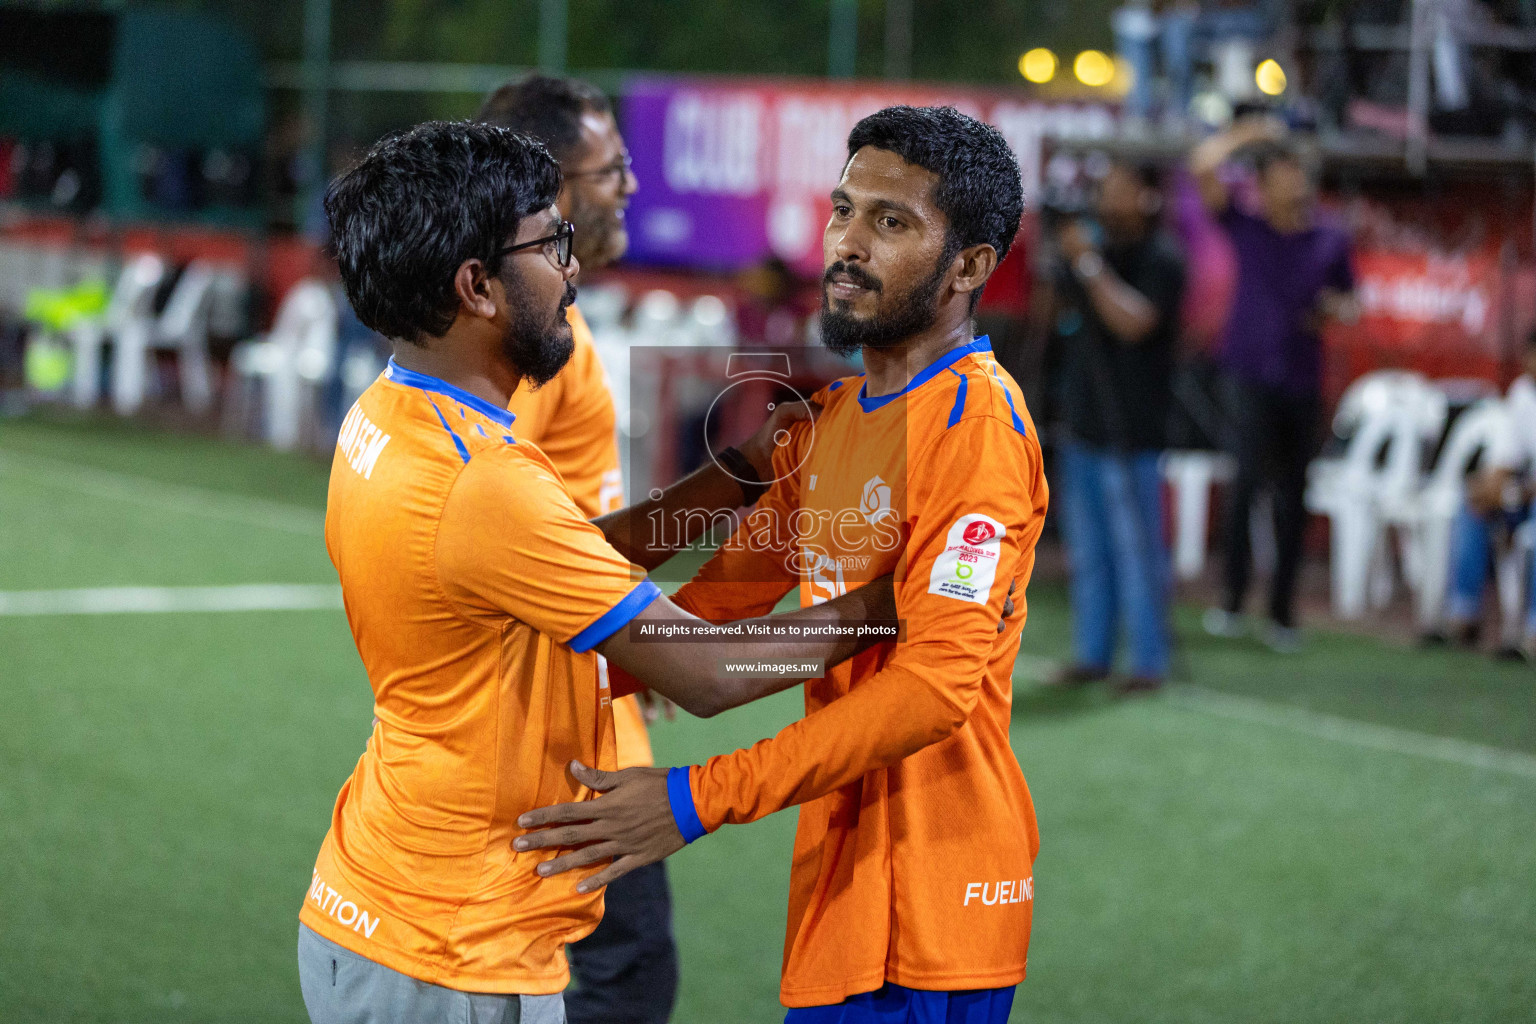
(1093,68)
(1269,76)
(1038,65)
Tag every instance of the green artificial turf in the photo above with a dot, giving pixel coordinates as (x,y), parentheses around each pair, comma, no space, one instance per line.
(1278,839)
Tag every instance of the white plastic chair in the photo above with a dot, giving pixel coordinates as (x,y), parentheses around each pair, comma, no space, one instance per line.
(1420,417)
(1430,515)
(1359,492)
(291,360)
(1511,576)
(130,315)
(182,328)
(1190,476)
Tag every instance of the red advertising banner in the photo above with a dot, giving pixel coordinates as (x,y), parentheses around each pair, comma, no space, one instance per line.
(1441,316)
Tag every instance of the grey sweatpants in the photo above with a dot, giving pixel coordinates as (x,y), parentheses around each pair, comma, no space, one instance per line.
(341,987)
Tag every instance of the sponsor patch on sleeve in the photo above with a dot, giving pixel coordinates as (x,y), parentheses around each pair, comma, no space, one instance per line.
(967,567)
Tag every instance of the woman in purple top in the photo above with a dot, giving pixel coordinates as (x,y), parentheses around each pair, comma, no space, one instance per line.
(1292,273)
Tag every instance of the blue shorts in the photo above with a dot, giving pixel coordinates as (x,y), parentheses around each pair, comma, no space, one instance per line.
(894,1004)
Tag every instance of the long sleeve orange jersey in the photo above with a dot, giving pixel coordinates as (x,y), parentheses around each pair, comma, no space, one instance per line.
(573,422)
(914,854)
(475,591)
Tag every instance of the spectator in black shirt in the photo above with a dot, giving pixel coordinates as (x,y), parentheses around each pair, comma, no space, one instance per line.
(1117,288)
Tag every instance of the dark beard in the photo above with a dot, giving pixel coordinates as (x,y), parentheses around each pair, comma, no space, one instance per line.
(846,334)
(539,348)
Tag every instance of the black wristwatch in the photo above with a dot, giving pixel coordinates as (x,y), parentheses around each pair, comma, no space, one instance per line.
(740,468)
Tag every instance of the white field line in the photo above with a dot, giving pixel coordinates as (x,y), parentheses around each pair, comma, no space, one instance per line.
(249,597)
(1360,734)
(111,486)
(1367,735)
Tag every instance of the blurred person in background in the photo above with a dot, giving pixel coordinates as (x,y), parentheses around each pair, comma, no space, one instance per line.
(1499,501)
(1117,286)
(626,971)
(1293,272)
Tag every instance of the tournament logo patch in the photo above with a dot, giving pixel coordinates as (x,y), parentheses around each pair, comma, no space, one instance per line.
(979,533)
(967,567)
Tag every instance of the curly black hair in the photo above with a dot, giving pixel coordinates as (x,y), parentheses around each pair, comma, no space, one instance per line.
(979,188)
(549,109)
(418,205)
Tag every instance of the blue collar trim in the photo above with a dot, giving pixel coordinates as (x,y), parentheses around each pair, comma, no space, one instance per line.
(411,379)
(938,366)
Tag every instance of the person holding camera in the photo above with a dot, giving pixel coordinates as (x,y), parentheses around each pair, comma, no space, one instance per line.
(1117,285)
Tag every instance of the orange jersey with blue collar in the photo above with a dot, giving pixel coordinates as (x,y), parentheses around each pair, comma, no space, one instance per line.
(914,855)
(573,422)
(475,590)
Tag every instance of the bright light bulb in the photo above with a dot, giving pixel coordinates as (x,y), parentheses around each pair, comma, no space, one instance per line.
(1093,68)
(1038,65)
(1270,78)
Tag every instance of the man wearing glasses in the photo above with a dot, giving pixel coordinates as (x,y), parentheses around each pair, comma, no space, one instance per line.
(480,597)
(626,971)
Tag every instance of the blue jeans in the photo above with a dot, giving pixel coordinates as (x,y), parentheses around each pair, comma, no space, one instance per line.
(1471,555)
(1112,520)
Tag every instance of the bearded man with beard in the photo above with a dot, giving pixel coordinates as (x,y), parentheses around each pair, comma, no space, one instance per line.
(912,882)
(480,597)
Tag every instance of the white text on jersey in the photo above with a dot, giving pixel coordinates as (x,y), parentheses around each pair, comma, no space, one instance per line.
(361,442)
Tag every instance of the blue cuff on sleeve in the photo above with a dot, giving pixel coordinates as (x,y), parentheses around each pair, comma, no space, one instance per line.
(615,618)
(680,796)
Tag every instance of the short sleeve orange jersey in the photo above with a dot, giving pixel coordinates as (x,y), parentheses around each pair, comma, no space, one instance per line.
(914,855)
(475,590)
(572,420)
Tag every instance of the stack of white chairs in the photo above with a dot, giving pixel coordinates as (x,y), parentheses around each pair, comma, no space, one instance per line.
(1391,417)
(182,328)
(1190,476)
(129,321)
(289,363)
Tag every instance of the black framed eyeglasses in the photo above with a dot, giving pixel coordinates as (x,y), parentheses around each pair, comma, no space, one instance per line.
(617,169)
(556,246)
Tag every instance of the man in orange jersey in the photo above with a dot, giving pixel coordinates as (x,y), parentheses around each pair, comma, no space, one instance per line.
(626,970)
(479,597)
(912,885)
